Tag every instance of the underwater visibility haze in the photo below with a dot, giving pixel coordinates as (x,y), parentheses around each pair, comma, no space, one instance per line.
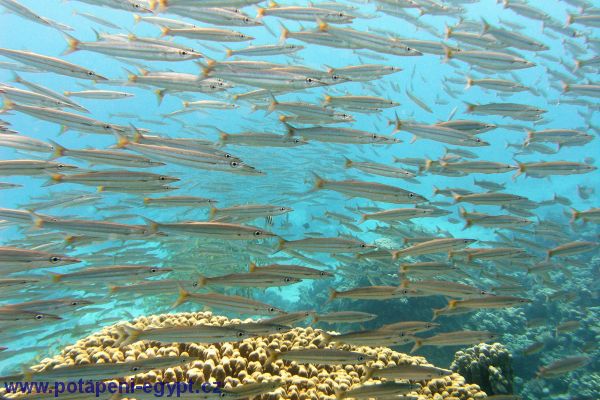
(367,199)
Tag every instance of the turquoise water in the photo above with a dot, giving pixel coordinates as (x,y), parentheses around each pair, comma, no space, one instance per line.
(288,180)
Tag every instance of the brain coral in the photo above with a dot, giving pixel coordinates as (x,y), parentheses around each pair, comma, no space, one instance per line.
(245,362)
(488,365)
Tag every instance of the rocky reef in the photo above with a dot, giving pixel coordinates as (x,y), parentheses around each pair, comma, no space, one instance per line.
(240,363)
(487,365)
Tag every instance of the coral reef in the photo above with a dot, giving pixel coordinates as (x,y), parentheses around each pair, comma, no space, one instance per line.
(487,365)
(237,363)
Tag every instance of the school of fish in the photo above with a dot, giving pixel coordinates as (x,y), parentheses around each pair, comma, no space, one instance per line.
(229,154)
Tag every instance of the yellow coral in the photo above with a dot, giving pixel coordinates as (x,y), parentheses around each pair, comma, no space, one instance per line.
(246,362)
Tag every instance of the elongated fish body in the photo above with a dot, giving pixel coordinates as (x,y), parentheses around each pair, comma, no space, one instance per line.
(188,334)
(46,63)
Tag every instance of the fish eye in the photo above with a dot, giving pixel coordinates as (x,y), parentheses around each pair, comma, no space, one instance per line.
(134,369)
(363,245)
(340,14)
(162,178)
(361,358)
(296,140)
(482,292)
(287,279)
(322,273)
(195,284)
(240,334)
(309,80)
(374,136)
(183,52)
(257,233)
(411,195)
(246,19)
(91,73)
(54,259)
(271,309)
(59,166)
(39,316)
(281,208)
(153,270)
(478,140)
(74,303)
(106,126)
(234,163)
(227,155)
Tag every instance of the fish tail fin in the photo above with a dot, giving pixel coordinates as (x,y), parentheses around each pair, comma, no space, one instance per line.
(164,31)
(280,245)
(160,95)
(327,99)
(436,313)
(129,334)
(468,224)
(452,304)
(271,355)
(574,215)
(260,12)
(252,267)
(363,218)
(447,53)
(183,296)
(202,280)
(137,18)
(339,394)
(569,19)
(319,182)
(54,179)
(7,105)
(395,254)
(228,52)
(428,164)
(530,134)
(470,107)
(122,140)
(405,284)
(290,129)
(273,104)
(152,225)
(212,213)
(347,162)
(284,34)
(327,338)
(56,277)
(457,197)
(520,171)
(72,44)
(577,65)
(469,82)
(332,295)
(565,87)
(368,373)
(397,122)
(549,254)
(447,31)
(417,346)
(322,26)
(59,150)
